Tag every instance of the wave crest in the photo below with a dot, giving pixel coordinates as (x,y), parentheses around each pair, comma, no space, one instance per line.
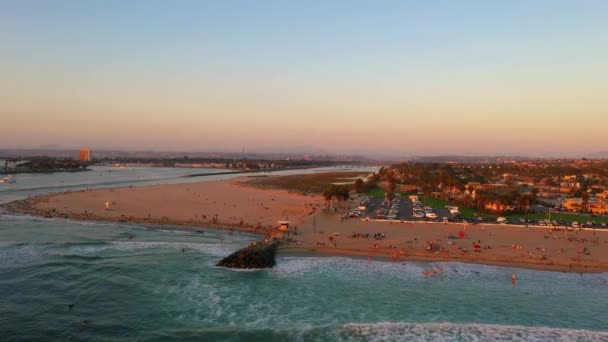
(388,331)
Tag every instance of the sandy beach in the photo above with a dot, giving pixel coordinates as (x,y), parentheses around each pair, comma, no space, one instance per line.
(492,244)
(219,204)
(233,204)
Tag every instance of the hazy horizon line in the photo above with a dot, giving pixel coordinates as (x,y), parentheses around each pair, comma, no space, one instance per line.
(317,151)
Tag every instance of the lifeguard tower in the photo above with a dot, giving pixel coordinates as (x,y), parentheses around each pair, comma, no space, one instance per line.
(283,225)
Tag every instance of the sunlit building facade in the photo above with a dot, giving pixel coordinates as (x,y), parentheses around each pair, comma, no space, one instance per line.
(85,155)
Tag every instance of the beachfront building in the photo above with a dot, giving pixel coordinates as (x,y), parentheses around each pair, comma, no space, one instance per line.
(85,155)
(497,207)
(593,205)
(603,195)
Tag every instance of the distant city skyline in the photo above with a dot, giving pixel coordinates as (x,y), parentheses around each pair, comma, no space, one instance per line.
(388,78)
(57,151)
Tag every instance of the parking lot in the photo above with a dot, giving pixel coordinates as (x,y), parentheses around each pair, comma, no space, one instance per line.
(399,209)
(404,209)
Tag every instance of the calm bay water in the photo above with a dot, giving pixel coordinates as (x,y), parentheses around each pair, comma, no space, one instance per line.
(162,285)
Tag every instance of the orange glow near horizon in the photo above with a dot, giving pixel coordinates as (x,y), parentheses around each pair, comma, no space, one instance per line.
(418,79)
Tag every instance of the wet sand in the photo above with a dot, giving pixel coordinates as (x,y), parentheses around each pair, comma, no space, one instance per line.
(233,204)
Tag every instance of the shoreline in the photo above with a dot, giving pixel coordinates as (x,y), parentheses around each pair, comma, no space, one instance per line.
(294,251)
(234,205)
(20,172)
(37,206)
(25,207)
(288,249)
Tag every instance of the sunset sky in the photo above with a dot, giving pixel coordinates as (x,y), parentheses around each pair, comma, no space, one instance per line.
(390,77)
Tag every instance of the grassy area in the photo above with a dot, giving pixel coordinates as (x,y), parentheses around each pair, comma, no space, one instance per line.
(307,184)
(376,192)
(433,202)
(470,213)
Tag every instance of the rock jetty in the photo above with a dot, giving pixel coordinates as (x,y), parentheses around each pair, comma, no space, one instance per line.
(256,255)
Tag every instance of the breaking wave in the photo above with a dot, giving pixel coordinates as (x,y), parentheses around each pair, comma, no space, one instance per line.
(388,331)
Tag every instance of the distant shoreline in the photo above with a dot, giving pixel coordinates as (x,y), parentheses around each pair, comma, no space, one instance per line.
(17,172)
(214,174)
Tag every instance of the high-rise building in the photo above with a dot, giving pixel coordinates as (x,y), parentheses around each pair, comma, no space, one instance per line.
(85,155)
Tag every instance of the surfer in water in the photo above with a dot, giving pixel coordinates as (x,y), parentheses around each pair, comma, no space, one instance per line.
(513,279)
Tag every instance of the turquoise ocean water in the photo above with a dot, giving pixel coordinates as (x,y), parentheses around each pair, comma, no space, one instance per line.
(162,285)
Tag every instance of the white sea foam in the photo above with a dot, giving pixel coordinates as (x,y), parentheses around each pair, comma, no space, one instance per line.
(212,249)
(245,270)
(402,269)
(13,253)
(388,331)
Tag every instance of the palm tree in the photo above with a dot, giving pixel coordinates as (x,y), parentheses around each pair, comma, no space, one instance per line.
(585,204)
(329,194)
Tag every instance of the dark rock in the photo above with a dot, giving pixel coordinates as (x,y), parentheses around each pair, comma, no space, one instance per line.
(260,255)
